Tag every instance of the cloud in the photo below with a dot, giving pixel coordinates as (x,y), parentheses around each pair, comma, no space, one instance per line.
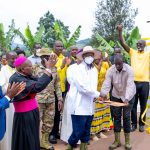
(71,12)
(143,17)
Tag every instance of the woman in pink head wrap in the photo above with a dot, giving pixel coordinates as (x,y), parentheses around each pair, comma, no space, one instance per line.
(25,134)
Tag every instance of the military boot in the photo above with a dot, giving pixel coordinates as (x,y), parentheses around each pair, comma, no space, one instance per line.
(44,144)
(116,143)
(127,141)
(83,146)
(69,147)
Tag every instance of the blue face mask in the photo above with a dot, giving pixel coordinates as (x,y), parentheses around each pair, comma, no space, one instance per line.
(88,60)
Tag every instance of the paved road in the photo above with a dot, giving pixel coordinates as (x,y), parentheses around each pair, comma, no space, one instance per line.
(140,141)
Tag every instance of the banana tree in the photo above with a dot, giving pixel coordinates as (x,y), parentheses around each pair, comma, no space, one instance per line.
(2,38)
(29,39)
(104,45)
(131,41)
(60,36)
(6,39)
(133,38)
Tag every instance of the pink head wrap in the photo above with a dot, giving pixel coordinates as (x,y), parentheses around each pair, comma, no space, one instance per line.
(19,61)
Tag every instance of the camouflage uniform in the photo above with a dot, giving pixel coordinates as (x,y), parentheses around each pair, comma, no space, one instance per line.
(46,99)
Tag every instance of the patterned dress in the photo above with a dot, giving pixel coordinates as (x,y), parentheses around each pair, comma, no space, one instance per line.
(101,120)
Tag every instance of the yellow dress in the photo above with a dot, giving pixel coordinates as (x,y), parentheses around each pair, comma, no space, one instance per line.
(101,120)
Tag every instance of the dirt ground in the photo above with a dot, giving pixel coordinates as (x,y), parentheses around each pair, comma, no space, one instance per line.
(139,141)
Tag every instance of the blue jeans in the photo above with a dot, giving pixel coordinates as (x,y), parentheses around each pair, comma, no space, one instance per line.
(81,129)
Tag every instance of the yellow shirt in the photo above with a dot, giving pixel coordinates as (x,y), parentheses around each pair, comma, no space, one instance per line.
(61,72)
(140,62)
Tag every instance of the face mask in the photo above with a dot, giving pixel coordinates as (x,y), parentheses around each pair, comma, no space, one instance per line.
(88,60)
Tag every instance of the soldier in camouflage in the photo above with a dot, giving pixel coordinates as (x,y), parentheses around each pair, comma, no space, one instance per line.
(46,99)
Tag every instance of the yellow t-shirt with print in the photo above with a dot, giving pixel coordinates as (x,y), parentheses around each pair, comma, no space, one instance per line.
(140,62)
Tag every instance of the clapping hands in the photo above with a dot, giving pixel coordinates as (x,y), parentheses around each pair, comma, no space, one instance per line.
(66,61)
(15,89)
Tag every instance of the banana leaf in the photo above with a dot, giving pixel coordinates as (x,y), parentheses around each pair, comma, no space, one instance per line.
(103,44)
(74,37)
(39,34)
(29,36)
(10,35)
(2,37)
(133,38)
(22,37)
(111,43)
(59,33)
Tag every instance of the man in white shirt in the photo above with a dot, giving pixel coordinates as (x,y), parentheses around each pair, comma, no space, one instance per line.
(36,60)
(66,127)
(85,90)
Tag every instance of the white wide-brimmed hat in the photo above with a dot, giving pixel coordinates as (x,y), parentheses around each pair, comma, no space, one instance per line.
(87,49)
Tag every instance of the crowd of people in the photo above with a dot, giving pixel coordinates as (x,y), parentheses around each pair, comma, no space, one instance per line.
(71,95)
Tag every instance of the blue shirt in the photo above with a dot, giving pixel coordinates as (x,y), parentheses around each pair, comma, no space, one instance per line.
(4,103)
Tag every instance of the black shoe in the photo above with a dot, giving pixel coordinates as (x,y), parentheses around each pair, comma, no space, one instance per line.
(141,128)
(52,139)
(52,148)
(133,128)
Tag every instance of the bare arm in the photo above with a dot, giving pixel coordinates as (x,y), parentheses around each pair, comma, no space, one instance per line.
(121,39)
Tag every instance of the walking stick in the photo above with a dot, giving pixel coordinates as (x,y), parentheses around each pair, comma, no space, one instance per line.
(112,103)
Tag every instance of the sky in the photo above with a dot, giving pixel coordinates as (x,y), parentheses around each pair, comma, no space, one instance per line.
(71,12)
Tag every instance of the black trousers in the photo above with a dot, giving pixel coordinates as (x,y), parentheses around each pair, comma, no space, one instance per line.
(55,129)
(118,112)
(142,92)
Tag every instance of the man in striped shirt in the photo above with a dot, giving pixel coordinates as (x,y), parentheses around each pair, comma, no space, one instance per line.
(121,76)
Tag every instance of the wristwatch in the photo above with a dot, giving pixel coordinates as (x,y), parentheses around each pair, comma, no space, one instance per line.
(49,70)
